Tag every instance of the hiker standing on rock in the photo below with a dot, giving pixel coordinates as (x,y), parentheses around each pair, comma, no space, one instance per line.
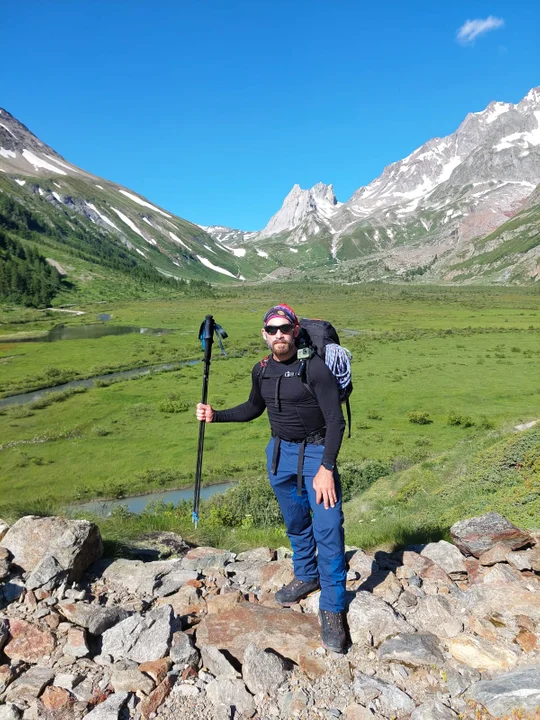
(307,428)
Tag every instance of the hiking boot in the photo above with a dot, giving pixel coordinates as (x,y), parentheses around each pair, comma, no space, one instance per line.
(332,631)
(296,590)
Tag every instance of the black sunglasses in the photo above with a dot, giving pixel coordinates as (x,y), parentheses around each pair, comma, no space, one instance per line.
(272,329)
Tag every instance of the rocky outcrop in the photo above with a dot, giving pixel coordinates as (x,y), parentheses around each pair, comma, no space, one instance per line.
(436,634)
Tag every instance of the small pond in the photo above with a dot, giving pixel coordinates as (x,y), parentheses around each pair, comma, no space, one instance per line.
(86,332)
(138,503)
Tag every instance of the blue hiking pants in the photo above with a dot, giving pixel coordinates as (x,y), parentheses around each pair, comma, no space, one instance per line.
(316,534)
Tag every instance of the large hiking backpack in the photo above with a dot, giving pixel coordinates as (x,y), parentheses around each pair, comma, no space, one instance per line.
(320,337)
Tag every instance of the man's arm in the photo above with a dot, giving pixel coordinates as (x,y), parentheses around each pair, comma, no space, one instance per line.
(253,408)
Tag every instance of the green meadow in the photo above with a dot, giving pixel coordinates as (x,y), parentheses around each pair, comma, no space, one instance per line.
(441,376)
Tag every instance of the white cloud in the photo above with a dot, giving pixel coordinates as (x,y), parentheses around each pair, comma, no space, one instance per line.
(472,29)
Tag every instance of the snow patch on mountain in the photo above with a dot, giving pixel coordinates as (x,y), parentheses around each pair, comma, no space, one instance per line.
(142,202)
(39,162)
(216,268)
(101,215)
(7,153)
(128,222)
(177,239)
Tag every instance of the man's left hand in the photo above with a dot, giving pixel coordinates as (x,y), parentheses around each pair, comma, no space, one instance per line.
(325,488)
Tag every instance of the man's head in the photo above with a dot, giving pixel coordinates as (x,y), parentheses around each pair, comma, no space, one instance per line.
(280,329)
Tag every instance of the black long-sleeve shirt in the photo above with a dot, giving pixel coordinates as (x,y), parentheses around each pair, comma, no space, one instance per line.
(293,411)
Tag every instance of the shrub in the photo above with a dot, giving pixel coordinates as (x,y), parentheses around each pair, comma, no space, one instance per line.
(373,415)
(419,417)
(357,477)
(174,406)
(462,420)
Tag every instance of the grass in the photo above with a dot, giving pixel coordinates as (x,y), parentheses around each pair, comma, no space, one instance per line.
(465,359)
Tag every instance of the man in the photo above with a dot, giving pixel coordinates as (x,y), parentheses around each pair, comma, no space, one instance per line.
(307,427)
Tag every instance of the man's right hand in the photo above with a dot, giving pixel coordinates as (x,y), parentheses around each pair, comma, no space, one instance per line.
(205,413)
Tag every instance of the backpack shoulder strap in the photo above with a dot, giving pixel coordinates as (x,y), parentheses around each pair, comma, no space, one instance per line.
(263,364)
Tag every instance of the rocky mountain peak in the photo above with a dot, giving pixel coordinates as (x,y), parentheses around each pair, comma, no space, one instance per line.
(319,201)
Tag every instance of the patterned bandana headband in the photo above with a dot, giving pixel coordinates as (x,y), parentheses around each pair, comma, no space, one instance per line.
(281,311)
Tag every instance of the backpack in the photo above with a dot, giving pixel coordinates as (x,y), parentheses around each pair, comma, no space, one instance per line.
(320,337)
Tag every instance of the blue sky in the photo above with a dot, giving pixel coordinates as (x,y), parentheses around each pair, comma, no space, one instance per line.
(215,108)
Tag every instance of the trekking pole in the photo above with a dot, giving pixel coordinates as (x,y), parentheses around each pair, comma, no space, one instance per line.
(206,336)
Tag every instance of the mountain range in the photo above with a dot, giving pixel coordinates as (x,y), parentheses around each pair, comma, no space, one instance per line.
(462,208)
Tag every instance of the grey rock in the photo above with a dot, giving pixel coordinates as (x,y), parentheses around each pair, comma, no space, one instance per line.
(437,613)
(433,710)
(75,544)
(10,712)
(392,700)
(216,662)
(231,692)
(4,527)
(261,554)
(512,691)
(131,680)
(67,680)
(371,617)
(4,632)
(182,652)
(446,556)
(248,573)
(415,649)
(293,703)
(173,581)
(109,709)
(202,558)
(30,684)
(95,618)
(144,579)
(520,560)
(476,535)
(361,562)
(263,672)
(460,678)
(47,574)
(140,638)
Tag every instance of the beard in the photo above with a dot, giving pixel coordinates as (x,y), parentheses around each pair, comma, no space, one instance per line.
(280,347)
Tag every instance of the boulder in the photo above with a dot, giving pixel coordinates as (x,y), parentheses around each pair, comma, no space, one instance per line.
(415,649)
(95,618)
(361,562)
(216,662)
(148,579)
(261,554)
(292,635)
(140,638)
(5,563)
(131,680)
(28,643)
(182,652)
(433,710)
(389,589)
(437,613)
(56,698)
(4,632)
(231,692)
(476,535)
(9,711)
(276,574)
(481,654)
(30,684)
(109,709)
(447,557)
(390,700)
(74,544)
(202,558)
(76,646)
(263,672)
(156,669)
(6,676)
(371,619)
(509,693)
